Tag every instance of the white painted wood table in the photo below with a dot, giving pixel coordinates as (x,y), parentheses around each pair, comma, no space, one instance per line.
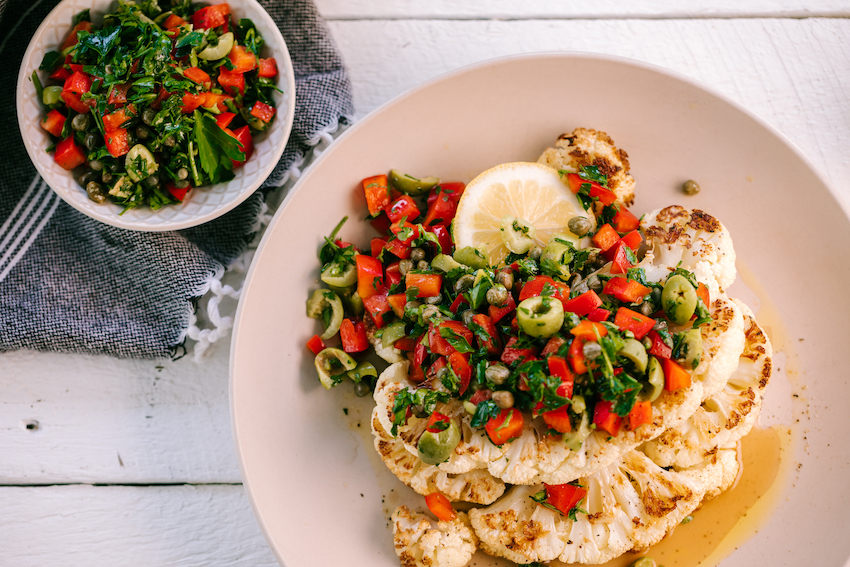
(117,462)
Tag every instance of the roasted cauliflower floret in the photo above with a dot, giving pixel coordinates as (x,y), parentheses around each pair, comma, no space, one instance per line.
(694,238)
(726,416)
(583,147)
(722,344)
(421,542)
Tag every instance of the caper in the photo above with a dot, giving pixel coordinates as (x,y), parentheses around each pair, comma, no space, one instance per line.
(679,299)
(598,262)
(505,278)
(114,168)
(467,317)
(417,254)
(96,165)
(91,140)
(405,266)
(412,305)
(423,265)
(497,373)
(51,95)
(431,312)
(95,192)
(182,173)
(152,180)
(580,225)
(535,252)
(181,183)
(106,177)
(591,350)
(362,389)
(148,115)
(594,283)
(503,399)
(464,283)
(170,141)
(580,287)
(644,562)
(80,122)
(86,177)
(690,187)
(434,299)
(540,316)
(646,342)
(497,295)
(646,308)
(143,132)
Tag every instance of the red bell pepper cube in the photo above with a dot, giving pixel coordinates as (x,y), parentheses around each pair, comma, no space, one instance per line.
(263,111)
(629,320)
(641,413)
(564,497)
(199,76)
(215,100)
(268,68)
(558,419)
(534,287)
(675,377)
(398,248)
(231,81)
(589,330)
(506,426)
(437,422)
(702,293)
(353,336)
(191,102)
(598,315)
(428,285)
(68,154)
(491,344)
(60,73)
(438,344)
(583,304)
(53,122)
(576,356)
(441,211)
(381,223)
(512,354)
(498,312)
(605,196)
(177,193)
(76,85)
(460,299)
(444,237)
(621,262)
(553,346)
(224,119)
(315,344)
(405,232)
(377,306)
(633,240)
(625,221)
(117,142)
(242,59)
(440,506)
(460,366)
(211,16)
(626,290)
(403,208)
(115,120)
(605,238)
(376,245)
(397,302)
(173,21)
(606,419)
(393,274)
(72,38)
(243,136)
(451,191)
(558,368)
(118,95)
(659,348)
(370,276)
(377,193)
(405,344)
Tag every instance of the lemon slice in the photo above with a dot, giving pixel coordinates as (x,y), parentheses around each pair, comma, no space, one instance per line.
(529,191)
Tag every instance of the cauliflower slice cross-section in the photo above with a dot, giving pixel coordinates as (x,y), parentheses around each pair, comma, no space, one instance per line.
(421,542)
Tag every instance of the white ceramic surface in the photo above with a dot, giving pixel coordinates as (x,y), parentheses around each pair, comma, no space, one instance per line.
(202,204)
(318,489)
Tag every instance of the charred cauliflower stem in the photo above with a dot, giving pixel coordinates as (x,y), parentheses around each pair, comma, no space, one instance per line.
(582,396)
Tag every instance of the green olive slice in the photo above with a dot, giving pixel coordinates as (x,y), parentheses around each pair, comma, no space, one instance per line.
(540,316)
(557,255)
(689,351)
(321,300)
(517,234)
(444,263)
(339,274)
(575,439)
(634,351)
(362,370)
(51,95)
(332,362)
(655,380)
(436,448)
(470,256)
(391,333)
(412,185)
(218,51)
(140,162)
(679,299)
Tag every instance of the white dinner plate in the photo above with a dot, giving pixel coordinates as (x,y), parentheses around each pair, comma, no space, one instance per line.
(319,490)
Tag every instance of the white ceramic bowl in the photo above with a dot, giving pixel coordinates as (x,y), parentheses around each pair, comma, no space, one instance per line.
(202,204)
(318,488)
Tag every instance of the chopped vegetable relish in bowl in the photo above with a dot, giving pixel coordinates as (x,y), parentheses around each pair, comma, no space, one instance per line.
(547,354)
(152,103)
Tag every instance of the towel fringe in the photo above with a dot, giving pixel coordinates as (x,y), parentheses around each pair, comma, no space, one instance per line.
(216,325)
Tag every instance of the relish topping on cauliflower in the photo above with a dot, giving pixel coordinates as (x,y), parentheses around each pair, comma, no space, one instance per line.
(607,377)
